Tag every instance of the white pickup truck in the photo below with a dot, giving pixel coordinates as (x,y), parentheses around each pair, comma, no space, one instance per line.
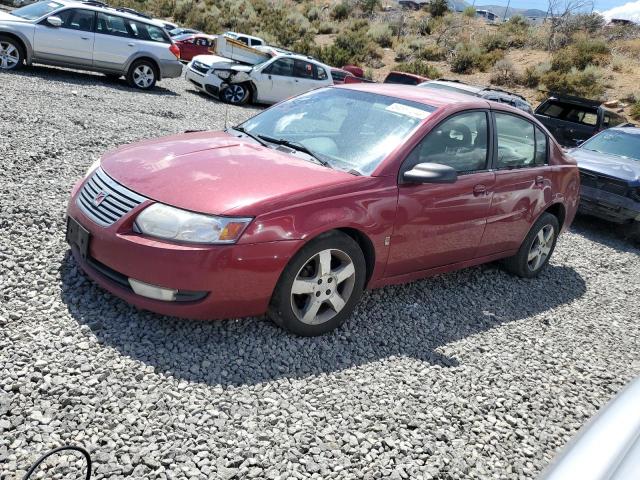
(239,74)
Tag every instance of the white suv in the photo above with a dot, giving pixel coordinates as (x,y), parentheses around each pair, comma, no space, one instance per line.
(88,36)
(276,79)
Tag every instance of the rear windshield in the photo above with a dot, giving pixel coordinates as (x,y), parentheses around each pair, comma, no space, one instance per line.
(36,10)
(570,112)
(402,79)
(615,142)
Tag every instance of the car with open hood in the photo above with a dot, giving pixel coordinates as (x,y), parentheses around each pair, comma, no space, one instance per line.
(297,210)
(609,164)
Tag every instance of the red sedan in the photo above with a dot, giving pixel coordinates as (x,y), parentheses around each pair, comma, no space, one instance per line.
(299,209)
(192,45)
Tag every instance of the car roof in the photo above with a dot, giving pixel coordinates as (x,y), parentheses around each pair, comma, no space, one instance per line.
(432,97)
(459,85)
(297,56)
(111,10)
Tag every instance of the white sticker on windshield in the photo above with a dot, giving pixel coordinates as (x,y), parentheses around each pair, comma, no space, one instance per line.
(407,110)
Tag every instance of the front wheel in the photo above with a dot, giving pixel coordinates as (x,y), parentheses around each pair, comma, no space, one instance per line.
(320,286)
(235,93)
(142,74)
(536,250)
(11,54)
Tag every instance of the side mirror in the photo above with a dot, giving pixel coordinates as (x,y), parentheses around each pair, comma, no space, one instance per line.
(430,173)
(54,21)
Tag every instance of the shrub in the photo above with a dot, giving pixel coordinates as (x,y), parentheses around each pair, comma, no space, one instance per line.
(582,52)
(370,6)
(437,8)
(635,110)
(341,11)
(403,53)
(348,47)
(418,68)
(504,73)
(584,83)
(432,53)
(313,13)
(515,31)
(465,58)
(327,27)
(494,41)
(469,12)
(381,34)
(531,77)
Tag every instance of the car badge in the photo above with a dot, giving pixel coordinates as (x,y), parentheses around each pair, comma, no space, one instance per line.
(99,198)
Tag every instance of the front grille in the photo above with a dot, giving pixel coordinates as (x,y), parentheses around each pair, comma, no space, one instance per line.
(199,67)
(105,201)
(607,184)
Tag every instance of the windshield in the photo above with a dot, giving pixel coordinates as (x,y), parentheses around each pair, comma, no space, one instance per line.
(348,129)
(615,142)
(36,10)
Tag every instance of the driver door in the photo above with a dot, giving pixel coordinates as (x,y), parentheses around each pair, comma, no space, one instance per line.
(70,44)
(441,224)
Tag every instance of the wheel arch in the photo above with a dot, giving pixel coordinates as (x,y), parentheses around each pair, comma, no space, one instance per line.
(146,57)
(22,41)
(559,211)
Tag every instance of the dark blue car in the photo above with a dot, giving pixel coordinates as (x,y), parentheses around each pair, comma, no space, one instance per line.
(609,164)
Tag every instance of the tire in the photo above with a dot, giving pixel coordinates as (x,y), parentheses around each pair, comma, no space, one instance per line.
(329,274)
(537,248)
(235,94)
(633,231)
(11,53)
(143,74)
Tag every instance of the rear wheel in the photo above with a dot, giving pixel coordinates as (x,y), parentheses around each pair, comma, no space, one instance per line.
(235,93)
(11,53)
(320,286)
(537,248)
(142,74)
(633,231)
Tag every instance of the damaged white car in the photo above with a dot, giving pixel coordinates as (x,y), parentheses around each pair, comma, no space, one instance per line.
(270,80)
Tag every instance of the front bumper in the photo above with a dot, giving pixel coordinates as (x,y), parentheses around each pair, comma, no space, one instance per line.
(170,68)
(236,280)
(608,206)
(204,83)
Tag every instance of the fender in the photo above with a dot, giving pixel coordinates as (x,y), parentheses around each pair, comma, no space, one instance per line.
(11,30)
(143,54)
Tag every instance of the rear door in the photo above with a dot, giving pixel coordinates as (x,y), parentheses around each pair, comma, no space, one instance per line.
(523,182)
(72,43)
(441,224)
(114,42)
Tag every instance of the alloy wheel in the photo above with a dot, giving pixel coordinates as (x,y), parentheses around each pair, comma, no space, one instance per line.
(323,286)
(143,76)
(234,93)
(540,247)
(9,56)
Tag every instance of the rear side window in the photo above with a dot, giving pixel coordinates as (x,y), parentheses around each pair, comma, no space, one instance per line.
(570,112)
(516,141)
(112,25)
(320,73)
(338,76)
(144,31)
(542,146)
(255,41)
(302,69)
(610,119)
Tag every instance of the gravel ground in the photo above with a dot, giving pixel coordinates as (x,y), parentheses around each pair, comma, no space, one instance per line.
(474,374)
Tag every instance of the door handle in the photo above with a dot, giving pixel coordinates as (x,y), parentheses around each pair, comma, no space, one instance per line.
(85,38)
(131,44)
(479,190)
(539,180)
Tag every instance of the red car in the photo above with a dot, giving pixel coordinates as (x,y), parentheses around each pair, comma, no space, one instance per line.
(192,45)
(299,209)
(405,78)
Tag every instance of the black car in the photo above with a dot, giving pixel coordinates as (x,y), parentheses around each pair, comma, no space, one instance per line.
(572,120)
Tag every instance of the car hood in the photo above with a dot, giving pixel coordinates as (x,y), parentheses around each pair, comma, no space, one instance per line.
(211,60)
(217,173)
(626,169)
(12,18)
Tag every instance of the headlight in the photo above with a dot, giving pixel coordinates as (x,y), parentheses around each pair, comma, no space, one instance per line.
(92,168)
(223,74)
(163,221)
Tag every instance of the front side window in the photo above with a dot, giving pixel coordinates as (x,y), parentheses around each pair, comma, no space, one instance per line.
(350,130)
(282,67)
(460,142)
(36,10)
(321,73)
(76,19)
(516,141)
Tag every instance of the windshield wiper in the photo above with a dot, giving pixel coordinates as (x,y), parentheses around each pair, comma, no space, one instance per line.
(250,135)
(295,146)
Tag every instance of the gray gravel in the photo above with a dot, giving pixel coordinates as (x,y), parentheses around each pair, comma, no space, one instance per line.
(474,374)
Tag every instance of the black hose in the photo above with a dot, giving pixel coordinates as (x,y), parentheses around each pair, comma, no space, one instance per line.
(57,450)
